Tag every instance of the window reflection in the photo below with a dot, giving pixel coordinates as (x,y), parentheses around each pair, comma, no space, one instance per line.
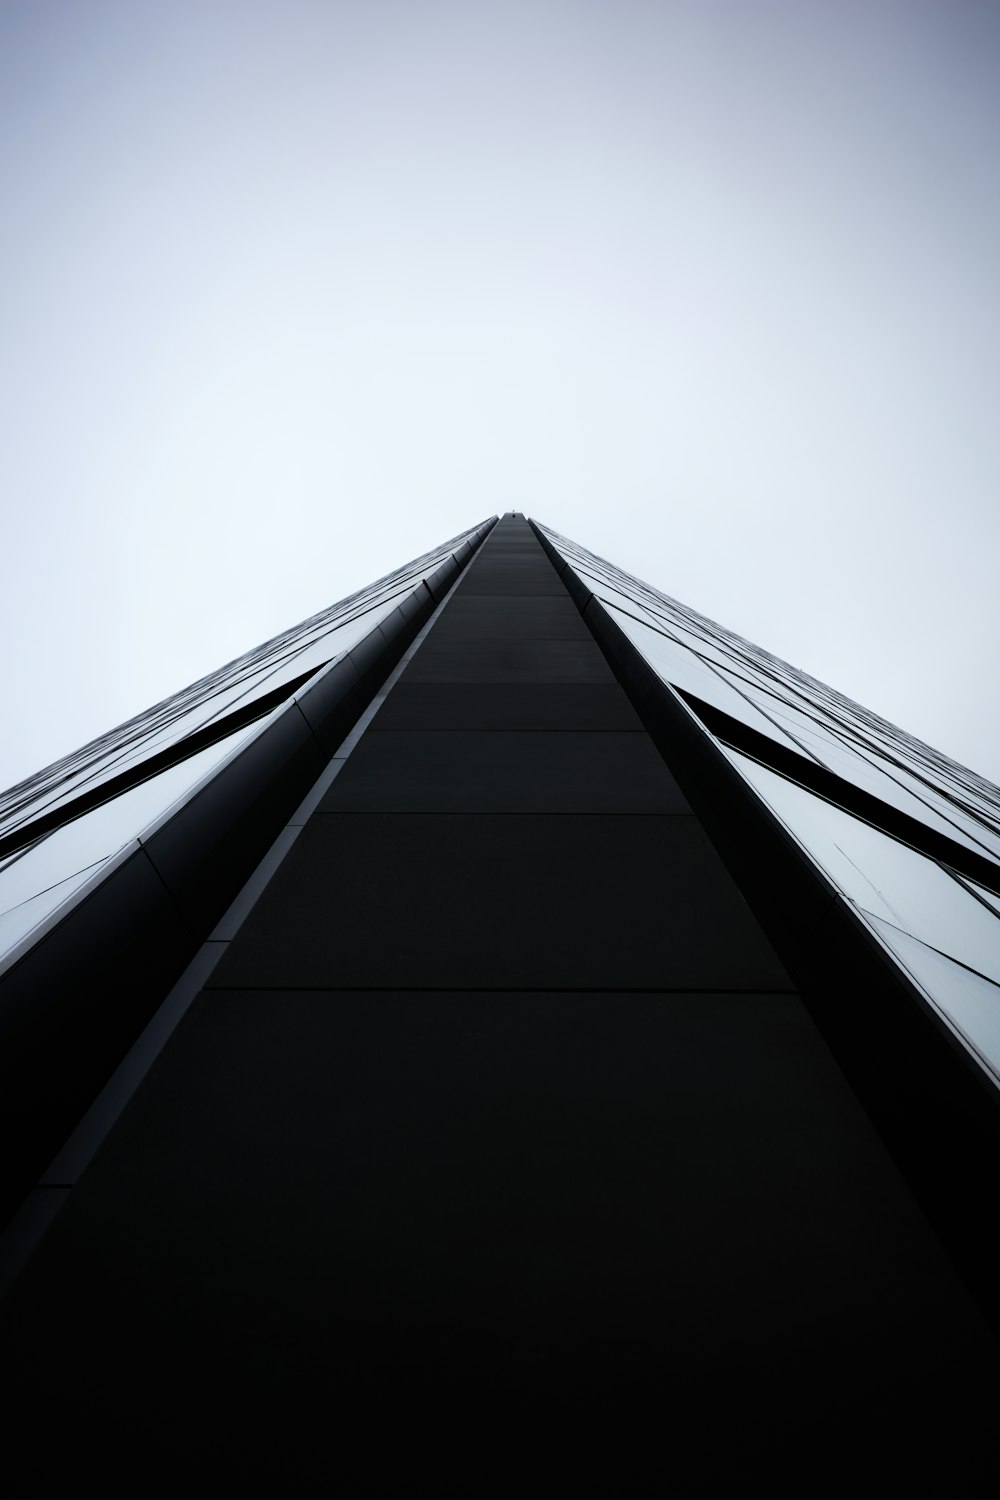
(14,924)
(969,1000)
(882,875)
(677,665)
(943,929)
(985,895)
(895,887)
(860,747)
(314,641)
(38,878)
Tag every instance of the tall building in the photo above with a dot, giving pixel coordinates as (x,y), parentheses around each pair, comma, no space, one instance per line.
(506,1035)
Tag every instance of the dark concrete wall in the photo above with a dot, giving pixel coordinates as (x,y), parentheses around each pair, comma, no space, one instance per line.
(499,1131)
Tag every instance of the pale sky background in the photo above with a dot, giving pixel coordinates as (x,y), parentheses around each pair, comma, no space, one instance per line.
(293,291)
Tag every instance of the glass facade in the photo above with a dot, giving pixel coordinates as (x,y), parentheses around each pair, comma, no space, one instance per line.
(38,878)
(56,829)
(940,927)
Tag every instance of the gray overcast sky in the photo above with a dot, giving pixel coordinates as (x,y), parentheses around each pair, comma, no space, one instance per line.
(293,291)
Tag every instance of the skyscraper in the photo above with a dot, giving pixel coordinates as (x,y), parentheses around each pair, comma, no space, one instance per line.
(507,1010)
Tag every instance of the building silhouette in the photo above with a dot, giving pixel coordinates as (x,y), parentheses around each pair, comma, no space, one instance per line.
(507,1034)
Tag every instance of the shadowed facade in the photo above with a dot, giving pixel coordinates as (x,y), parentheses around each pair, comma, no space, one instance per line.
(517,1129)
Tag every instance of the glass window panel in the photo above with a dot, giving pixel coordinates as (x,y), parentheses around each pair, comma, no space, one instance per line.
(99,767)
(969,1000)
(974,832)
(852,766)
(988,896)
(174,718)
(606,591)
(923,775)
(679,666)
(19,920)
(263,680)
(311,656)
(81,844)
(124,758)
(883,876)
(697,643)
(959,803)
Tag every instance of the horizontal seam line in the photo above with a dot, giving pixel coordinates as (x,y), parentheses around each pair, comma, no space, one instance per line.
(487,989)
(490,812)
(506,727)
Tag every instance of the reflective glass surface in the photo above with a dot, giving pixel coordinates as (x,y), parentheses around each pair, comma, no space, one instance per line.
(946,938)
(853,766)
(941,927)
(315,653)
(823,724)
(985,895)
(37,879)
(683,669)
(969,1001)
(14,924)
(884,877)
(305,647)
